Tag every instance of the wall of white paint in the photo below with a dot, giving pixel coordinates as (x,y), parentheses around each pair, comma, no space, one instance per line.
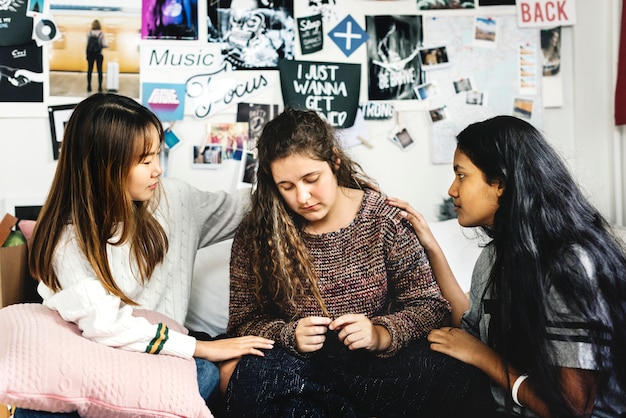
(582,130)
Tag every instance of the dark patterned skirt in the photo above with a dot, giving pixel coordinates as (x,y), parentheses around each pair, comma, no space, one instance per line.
(337,382)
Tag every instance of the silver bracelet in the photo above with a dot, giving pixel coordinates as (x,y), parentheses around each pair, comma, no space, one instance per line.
(515,388)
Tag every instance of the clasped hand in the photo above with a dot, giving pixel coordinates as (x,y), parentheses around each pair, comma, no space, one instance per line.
(355,331)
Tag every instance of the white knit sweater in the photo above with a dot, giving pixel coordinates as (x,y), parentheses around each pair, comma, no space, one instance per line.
(192,219)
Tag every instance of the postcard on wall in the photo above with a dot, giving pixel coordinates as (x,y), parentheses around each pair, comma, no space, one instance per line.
(208,156)
(485,32)
(232,136)
(522,108)
(434,58)
(425,91)
(247,174)
(401,137)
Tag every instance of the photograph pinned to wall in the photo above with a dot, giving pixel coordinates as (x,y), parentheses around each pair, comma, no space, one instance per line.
(462,84)
(208,156)
(476,98)
(35,8)
(58,117)
(551,49)
(311,34)
(426,91)
(249,167)
(232,136)
(400,136)
(434,58)
(445,4)
(256,115)
(438,114)
(552,79)
(393,61)
(485,32)
(522,108)
(253,37)
(21,73)
(169,19)
(67,59)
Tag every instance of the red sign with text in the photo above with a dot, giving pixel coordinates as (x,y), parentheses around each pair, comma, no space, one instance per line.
(546,13)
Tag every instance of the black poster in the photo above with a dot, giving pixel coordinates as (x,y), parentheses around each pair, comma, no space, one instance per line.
(393,56)
(15,27)
(331,89)
(257,115)
(311,34)
(21,73)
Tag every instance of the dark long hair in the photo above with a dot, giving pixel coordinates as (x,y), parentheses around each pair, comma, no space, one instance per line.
(543,228)
(281,263)
(105,137)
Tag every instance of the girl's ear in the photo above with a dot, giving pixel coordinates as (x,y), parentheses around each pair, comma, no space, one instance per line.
(337,160)
(500,188)
(337,163)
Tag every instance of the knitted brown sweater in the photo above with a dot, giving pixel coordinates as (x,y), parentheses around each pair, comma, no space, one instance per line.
(375,266)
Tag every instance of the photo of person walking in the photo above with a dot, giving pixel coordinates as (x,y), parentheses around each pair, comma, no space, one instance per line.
(96,41)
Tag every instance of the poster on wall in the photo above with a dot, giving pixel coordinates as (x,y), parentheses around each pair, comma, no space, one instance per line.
(16,27)
(552,80)
(67,59)
(169,19)
(21,73)
(545,13)
(331,89)
(393,56)
(311,34)
(210,84)
(252,38)
(166,100)
(256,115)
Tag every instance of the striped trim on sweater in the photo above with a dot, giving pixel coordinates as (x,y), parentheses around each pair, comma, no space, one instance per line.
(156,345)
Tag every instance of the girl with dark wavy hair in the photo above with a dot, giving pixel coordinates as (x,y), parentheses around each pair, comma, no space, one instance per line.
(547,305)
(324,267)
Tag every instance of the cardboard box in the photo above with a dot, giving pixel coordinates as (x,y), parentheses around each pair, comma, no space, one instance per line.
(13,274)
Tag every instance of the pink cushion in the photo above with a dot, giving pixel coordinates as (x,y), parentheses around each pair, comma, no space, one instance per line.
(45,364)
